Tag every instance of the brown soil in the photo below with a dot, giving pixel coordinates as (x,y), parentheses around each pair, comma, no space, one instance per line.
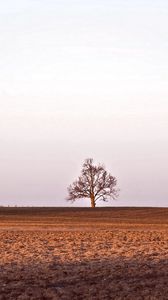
(96,260)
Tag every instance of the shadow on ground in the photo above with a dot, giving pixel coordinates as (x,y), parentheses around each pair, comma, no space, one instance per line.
(119,278)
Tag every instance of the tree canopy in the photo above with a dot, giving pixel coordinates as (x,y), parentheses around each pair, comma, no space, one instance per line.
(94,183)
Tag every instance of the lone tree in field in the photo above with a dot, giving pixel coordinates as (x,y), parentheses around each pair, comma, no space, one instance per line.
(94,183)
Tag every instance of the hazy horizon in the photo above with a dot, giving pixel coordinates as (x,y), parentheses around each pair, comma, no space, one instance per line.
(83,79)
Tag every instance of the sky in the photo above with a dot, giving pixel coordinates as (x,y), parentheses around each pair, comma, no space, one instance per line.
(81,79)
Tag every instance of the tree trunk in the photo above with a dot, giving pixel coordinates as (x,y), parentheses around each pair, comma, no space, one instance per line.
(92,198)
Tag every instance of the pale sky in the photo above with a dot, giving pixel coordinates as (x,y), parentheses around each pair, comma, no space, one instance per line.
(83,79)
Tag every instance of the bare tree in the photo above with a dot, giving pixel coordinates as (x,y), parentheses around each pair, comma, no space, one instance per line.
(94,183)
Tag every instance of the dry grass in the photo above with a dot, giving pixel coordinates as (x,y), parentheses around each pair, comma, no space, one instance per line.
(83,253)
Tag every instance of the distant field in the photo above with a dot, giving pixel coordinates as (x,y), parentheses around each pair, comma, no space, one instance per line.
(83,253)
(86,218)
